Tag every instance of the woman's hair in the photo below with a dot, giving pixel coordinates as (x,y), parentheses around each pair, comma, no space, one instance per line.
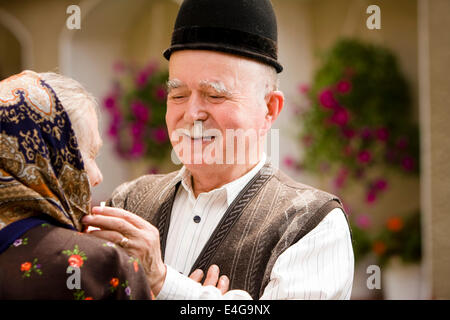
(77,102)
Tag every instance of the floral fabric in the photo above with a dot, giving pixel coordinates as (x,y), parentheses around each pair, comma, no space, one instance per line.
(37,266)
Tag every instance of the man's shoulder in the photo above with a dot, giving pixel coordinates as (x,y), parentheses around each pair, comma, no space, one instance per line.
(143,184)
(57,247)
(297,189)
(146,181)
(143,193)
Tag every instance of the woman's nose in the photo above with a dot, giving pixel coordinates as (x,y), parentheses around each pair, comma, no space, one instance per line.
(98,177)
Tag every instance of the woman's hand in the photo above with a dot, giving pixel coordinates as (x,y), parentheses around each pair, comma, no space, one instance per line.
(118,225)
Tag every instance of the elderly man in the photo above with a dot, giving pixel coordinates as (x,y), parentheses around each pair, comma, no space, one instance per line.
(272,237)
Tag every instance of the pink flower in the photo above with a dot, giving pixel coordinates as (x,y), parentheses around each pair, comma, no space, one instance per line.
(348,133)
(137,129)
(371,196)
(109,102)
(153,170)
(140,111)
(160,93)
(289,161)
(382,134)
(363,221)
(143,76)
(366,133)
(341,178)
(344,86)
(402,143)
(408,163)
(113,130)
(380,184)
(327,99)
(364,156)
(340,116)
(160,135)
(303,88)
(137,150)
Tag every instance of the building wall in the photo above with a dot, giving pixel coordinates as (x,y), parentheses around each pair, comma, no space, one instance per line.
(434,62)
(10,55)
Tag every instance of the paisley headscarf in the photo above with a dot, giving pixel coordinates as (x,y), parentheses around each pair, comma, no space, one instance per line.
(41,168)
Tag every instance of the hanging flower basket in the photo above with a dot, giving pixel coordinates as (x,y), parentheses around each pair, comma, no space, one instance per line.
(136,105)
(356,125)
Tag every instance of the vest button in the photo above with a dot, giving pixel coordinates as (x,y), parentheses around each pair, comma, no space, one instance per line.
(197,219)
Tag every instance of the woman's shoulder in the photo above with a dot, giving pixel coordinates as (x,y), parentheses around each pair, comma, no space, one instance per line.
(56,238)
(81,250)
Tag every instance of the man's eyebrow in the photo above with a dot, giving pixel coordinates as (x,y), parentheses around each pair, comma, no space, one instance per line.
(173,84)
(217,86)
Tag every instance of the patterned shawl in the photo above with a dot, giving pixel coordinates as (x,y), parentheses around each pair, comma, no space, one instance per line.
(41,169)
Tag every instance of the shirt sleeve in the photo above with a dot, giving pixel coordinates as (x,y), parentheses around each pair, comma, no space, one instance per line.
(179,287)
(319,266)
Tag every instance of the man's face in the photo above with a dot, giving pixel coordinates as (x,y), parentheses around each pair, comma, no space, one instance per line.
(216,92)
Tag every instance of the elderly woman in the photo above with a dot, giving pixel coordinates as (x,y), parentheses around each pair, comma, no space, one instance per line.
(48,144)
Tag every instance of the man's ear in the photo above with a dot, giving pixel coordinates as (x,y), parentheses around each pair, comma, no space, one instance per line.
(274,103)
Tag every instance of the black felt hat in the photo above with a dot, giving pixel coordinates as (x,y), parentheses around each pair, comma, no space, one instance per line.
(243,27)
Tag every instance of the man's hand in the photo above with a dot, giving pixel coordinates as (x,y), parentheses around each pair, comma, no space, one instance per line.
(212,278)
(143,239)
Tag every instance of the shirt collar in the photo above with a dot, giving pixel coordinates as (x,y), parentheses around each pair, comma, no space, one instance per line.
(231,189)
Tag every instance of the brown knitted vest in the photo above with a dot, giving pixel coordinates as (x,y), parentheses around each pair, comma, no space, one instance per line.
(269,215)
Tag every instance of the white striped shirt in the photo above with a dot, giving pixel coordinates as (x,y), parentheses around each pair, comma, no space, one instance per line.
(318,266)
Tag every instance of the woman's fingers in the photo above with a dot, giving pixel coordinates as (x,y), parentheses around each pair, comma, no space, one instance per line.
(132,218)
(112,223)
(108,235)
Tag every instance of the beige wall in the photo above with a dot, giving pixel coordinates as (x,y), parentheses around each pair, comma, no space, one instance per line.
(434,62)
(44,24)
(10,55)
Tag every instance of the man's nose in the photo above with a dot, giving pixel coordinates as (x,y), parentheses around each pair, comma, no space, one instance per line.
(195,110)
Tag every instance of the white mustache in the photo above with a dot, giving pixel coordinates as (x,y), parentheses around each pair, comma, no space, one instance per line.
(199,132)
